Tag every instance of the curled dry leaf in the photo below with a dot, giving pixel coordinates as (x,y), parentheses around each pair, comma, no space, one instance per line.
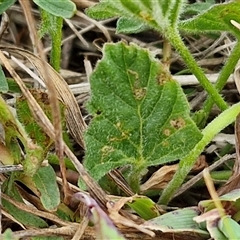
(160,178)
(74,117)
(200,164)
(104,227)
(115,207)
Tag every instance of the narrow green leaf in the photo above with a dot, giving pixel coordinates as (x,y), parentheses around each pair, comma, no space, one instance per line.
(5,4)
(229,227)
(216,19)
(48,238)
(52,25)
(144,207)
(60,8)
(177,221)
(228,200)
(45,181)
(141,115)
(215,233)
(23,217)
(65,213)
(3,81)
(27,219)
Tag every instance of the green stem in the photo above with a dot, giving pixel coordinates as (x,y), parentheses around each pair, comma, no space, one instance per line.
(186,164)
(56,35)
(223,76)
(167,51)
(175,39)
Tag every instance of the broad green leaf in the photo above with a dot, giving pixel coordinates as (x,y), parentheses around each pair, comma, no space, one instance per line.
(216,19)
(3,81)
(128,26)
(60,8)
(144,207)
(160,14)
(176,221)
(140,114)
(5,4)
(45,181)
(229,227)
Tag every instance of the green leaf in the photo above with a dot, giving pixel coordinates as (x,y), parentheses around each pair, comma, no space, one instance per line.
(140,114)
(215,233)
(24,114)
(45,181)
(177,221)
(52,25)
(128,26)
(229,227)
(226,199)
(102,10)
(60,8)
(27,219)
(216,19)
(144,207)
(8,235)
(5,4)
(159,14)
(48,238)
(198,7)
(3,81)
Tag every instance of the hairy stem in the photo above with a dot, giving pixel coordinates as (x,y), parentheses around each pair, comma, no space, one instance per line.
(175,39)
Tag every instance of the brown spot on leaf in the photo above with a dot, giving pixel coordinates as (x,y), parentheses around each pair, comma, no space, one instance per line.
(163,77)
(178,123)
(167,132)
(139,93)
